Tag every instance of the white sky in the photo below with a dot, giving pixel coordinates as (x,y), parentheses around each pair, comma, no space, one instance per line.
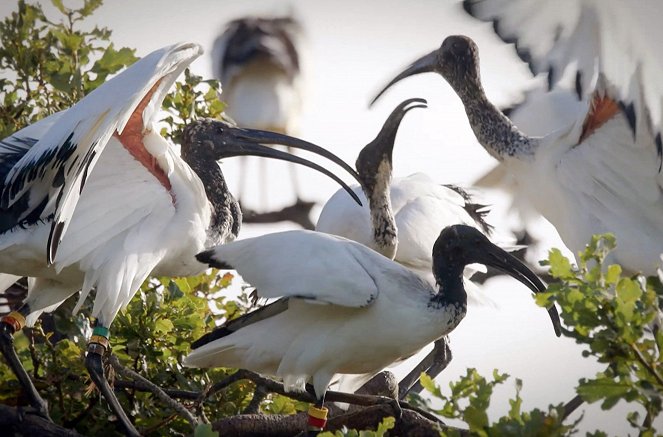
(354,47)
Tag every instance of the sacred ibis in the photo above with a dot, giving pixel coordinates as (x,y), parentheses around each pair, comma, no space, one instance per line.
(94,197)
(258,61)
(342,307)
(600,173)
(402,217)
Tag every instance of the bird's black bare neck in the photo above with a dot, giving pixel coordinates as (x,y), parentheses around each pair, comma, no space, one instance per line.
(450,289)
(226,217)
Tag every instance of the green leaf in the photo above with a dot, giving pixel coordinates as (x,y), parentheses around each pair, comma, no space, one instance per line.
(384,426)
(594,390)
(560,266)
(428,383)
(163,326)
(205,430)
(613,273)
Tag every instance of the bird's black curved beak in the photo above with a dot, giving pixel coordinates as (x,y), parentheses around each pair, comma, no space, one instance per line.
(243,141)
(425,64)
(496,257)
(387,135)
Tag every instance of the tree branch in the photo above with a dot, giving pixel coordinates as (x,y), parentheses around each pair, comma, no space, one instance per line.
(154,389)
(410,424)
(15,421)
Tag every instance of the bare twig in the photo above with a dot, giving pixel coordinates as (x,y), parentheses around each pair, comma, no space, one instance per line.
(646,364)
(254,406)
(154,389)
(572,405)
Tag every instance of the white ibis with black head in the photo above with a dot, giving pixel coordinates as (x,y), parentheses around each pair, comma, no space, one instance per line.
(342,308)
(94,197)
(402,217)
(601,173)
(258,61)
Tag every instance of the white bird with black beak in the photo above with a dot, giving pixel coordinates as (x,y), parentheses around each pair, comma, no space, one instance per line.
(402,220)
(94,197)
(342,308)
(258,61)
(601,173)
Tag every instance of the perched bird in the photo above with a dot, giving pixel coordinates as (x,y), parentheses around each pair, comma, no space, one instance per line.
(94,197)
(258,61)
(601,173)
(402,217)
(342,308)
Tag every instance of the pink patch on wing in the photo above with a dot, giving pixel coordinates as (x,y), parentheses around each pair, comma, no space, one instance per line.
(132,140)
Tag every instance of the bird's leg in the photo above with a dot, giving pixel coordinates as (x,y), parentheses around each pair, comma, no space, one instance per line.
(317,418)
(97,346)
(9,325)
(433,364)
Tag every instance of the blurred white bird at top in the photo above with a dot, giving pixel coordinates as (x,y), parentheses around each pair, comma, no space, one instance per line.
(599,167)
(259,63)
(94,198)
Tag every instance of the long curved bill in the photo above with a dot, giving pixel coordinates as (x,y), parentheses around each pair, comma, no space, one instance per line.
(425,64)
(251,142)
(507,263)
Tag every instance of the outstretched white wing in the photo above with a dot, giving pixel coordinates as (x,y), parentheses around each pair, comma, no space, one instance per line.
(578,39)
(310,265)
(51,173)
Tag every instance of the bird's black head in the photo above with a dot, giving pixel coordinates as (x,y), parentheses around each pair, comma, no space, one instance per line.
(457,60)
(212,140)
(459,245)
(376,157)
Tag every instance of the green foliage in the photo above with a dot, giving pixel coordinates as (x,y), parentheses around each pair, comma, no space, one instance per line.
(47,66)
(470,398)
(192,99)
(612,314)
(382,430)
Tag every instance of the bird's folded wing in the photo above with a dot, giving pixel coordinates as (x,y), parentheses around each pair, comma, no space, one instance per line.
(315,266)
(580,39)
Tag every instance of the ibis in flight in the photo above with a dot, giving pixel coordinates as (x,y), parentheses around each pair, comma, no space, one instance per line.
(258,61)
(342,308)
(94,197)
(599,173)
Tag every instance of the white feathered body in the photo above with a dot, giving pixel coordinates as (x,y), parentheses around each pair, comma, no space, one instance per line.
(609,180)
(340,326)
(421,207)
(126,224)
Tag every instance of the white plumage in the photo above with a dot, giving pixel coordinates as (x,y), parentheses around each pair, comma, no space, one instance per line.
(610,180)
(114,232)
(598,168)
(344,308)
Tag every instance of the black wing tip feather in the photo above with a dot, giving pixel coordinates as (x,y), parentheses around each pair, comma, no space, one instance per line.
(207,257)
(477,211)
(242,321)
(211,336)
(629,112)
(468,6)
